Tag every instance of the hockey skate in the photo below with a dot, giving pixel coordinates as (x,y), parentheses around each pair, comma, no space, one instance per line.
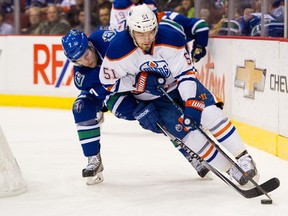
(93,171)
(248,165)
(199,167)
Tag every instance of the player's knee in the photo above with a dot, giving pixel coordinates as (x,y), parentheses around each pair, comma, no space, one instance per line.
(85,108)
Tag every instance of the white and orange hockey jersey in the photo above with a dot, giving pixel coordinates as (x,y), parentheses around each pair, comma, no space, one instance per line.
(167,57)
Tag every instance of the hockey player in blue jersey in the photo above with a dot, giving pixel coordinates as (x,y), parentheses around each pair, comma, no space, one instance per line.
(87,55)
(139,58)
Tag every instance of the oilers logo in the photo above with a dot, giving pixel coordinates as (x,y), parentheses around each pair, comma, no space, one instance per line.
(157,67)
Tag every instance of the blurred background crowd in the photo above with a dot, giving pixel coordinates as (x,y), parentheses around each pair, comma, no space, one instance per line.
(224,17)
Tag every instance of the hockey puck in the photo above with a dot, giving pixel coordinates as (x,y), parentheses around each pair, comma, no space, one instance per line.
(266,201)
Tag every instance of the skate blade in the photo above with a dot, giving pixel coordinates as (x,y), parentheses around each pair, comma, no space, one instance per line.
(95,179)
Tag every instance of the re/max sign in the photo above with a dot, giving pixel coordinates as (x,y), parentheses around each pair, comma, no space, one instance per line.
(50,69)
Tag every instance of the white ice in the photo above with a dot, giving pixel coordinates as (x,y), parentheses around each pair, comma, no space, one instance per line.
(144,174)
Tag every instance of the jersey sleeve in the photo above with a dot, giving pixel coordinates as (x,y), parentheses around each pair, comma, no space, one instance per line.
(183,71)
(171,47)
(115,77)
(194,28)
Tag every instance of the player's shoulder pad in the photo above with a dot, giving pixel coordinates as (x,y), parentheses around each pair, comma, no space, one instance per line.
(120,46)
(101,39)
(169,36)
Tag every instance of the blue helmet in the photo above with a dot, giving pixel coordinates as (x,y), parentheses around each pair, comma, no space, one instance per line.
(74,44)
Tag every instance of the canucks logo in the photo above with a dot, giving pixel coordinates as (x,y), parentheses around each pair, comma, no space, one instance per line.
(78,78)
(157,67)
(108,35)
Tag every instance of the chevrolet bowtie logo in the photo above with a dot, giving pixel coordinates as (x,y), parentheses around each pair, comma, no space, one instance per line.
(250,78)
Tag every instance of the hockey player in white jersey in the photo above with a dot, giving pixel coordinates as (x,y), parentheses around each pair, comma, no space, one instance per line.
(148,55)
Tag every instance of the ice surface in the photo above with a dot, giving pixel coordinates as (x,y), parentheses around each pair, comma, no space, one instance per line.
(144,174)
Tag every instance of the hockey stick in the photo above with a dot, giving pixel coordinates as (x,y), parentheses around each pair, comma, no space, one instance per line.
(214,143)
(270,185)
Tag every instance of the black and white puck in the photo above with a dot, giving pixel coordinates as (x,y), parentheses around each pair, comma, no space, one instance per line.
(266,201)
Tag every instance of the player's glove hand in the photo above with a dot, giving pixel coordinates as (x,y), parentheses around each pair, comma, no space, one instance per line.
(198,52)
(149,83)
(192,113)
(147,116)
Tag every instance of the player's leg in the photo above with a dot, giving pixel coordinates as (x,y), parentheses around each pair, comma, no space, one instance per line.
(217,122)
(85,109)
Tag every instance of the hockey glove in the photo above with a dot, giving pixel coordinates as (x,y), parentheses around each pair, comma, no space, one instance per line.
(149,82)
(147,116)
(192,113)
(198,52)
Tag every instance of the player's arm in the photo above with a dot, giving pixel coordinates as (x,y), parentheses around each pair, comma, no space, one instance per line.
(194,29)
(184,72)
(200,32)
(114,78)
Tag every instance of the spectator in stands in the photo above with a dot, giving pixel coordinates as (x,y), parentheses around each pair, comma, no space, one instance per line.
(104,10)
(5,28)
(35,21)
(72,16)
(37,3)
(277,10)
(6,6)
(81,21)
(95,10)
(54,23)
(205,14)
(188,6)
(256,5)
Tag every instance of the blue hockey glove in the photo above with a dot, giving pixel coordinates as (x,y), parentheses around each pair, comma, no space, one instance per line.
(147,116)
(198,52)
(192,113)
(149,83)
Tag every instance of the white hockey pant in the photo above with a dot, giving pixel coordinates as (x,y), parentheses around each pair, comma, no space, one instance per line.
(216,121)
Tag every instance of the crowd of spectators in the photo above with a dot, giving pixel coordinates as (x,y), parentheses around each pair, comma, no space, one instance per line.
(58,16)
(247,19)
(53,16)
